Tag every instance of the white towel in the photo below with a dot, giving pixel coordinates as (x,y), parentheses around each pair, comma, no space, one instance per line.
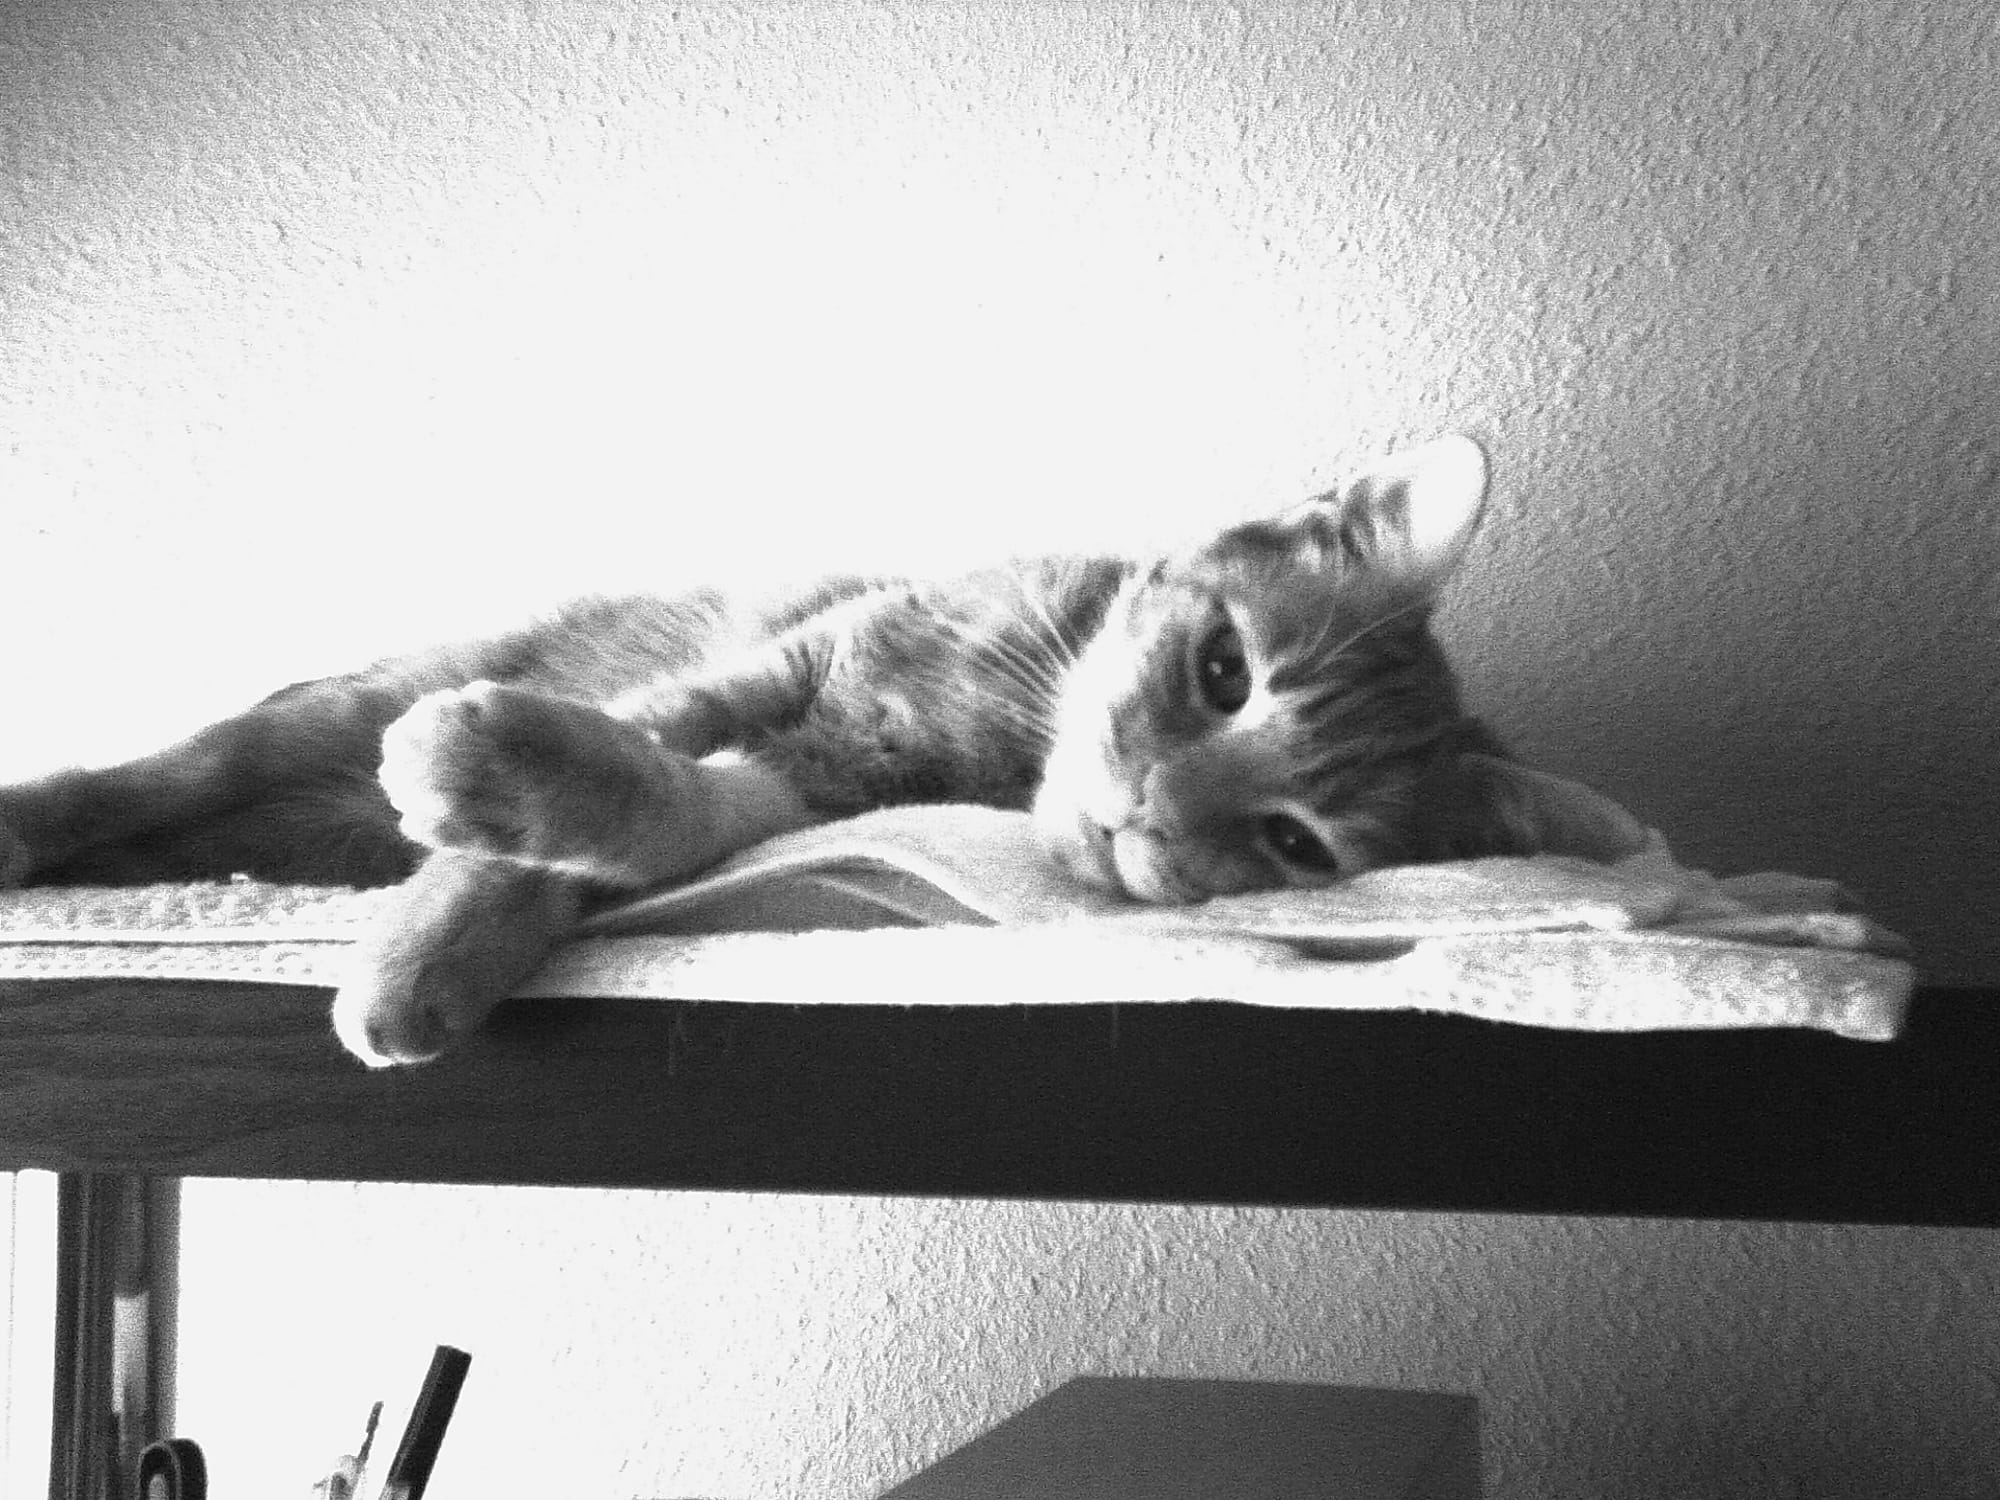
(959,905)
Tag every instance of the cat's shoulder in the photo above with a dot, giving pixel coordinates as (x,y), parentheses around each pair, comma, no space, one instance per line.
(1038,580)
(668,624)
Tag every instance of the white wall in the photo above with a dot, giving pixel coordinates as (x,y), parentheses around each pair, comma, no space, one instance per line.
(322,325)
(772,1348)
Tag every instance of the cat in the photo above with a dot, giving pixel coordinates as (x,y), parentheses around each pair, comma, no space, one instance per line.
(1269,708)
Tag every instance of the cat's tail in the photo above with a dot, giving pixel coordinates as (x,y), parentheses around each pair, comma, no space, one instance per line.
(450,944)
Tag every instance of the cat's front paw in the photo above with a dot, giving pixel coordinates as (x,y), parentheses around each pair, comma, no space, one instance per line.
(445,947)
(517,775)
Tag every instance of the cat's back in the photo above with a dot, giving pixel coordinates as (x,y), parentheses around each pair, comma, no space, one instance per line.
(597,647)
(615,641)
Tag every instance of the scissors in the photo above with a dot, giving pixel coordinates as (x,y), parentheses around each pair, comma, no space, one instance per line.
(173,1470)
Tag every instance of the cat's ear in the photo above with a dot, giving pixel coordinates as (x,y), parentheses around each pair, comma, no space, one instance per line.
(1413,512)
(1509,808)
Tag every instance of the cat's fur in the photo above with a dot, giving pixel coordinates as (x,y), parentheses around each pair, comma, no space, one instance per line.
(1269,708)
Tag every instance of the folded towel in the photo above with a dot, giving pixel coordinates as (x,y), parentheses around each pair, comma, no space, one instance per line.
(959,905)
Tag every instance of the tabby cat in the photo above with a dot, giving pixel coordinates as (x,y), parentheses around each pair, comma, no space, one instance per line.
(1267,709)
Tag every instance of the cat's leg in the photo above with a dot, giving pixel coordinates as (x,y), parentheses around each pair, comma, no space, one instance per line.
(49,820)
(453,941)
(281,790)
(527,801)
(549,782)
(654,786)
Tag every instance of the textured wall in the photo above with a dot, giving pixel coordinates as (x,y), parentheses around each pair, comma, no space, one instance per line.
(419,309)
(362,319)
(822,1349)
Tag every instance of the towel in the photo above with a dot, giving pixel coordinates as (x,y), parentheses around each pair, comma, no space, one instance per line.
(960,905)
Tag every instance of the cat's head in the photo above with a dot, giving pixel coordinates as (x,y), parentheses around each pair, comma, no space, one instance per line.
(1271,708)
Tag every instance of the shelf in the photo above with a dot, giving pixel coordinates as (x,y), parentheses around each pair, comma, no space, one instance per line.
(1207,1103)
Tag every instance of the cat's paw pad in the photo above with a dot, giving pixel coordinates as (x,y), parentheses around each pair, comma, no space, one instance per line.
(501,771)
(443,949)
(389,1018)
(446,776)
(390,1037)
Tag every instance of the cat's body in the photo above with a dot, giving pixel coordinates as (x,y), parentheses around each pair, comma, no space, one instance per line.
(1267,709)
(866,692)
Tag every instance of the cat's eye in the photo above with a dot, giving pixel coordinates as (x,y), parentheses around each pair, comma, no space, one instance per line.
(1222,670)
(1297,845)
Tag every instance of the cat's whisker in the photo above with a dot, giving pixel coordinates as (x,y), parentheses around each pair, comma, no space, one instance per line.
(1023,692)
(1042,619)
(1022,668)
(1005,707)
(1033,703)
(1037,678)
(1041,733)
(1035,714)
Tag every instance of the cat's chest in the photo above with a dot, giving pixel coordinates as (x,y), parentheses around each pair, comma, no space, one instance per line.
(954,695)
(955,680)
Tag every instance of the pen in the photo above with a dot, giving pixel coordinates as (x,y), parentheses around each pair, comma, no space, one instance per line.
(410,1470)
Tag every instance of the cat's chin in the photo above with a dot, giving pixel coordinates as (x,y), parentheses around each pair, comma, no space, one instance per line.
(1147,871)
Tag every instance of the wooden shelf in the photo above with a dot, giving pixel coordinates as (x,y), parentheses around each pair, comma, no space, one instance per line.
(1196,1103)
